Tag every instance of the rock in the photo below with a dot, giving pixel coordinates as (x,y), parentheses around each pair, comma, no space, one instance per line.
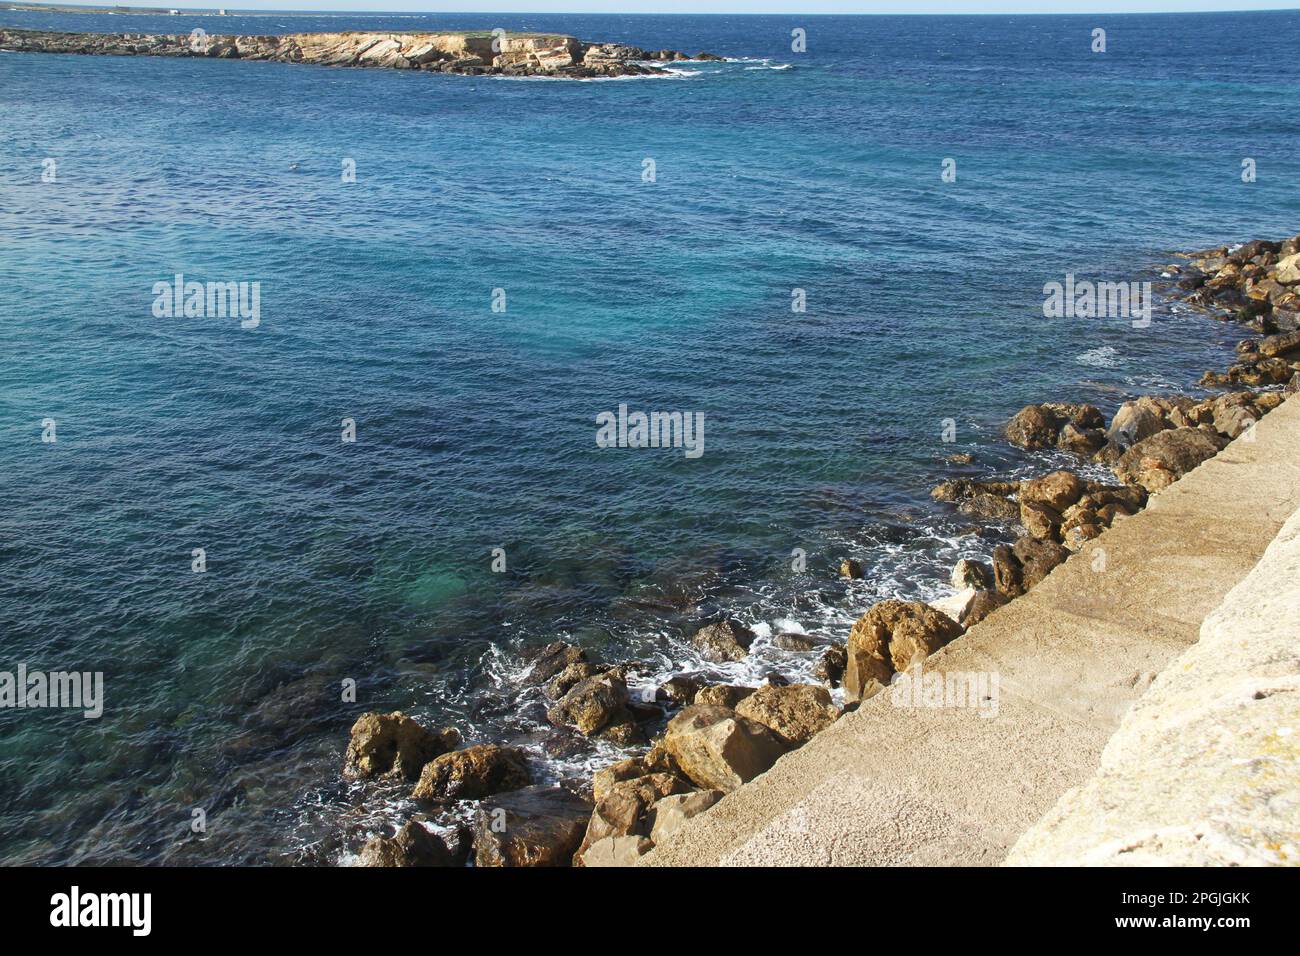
(719,749)
(535,826)
(678,689)
(723,695)
(1288,270)
(794,713)
(394,745)
(1006,572)
(1039,520)
(961,458)
(1077,536)
(850,569)
(960,489)
(1158,461)
(669,814)
(1058,490)
(591,704)
(603,780)
(955,605)
(412,846)
(473,773)
(724,641)
(565,680)
(1084,442)
(890,637)
(1134,422)
(1283,344)
(791,641)
(1033,427)
(968,573)
(830,668)
(983,604)
(622,810)
(616,851)
(1037,558)
(990,506)
(549,661)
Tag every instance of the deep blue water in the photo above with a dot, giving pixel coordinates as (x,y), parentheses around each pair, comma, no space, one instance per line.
(476,429)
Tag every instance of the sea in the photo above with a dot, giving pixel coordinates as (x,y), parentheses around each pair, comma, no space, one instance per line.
(830,248)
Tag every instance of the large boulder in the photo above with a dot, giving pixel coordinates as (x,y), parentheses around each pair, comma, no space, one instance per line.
(724,641)
(412,846)
(669,814)
(1057,490)
(1006,572)
(723,695)
(535,826)
(719,749)
(1033,427)
(1040,520)
(1037,558)
(591,704)
(891,637)
(393,745)
(1159,461)
(473,773)
(794,713)
(1133,422)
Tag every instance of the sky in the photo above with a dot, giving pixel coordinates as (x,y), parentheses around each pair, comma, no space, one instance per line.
(790,7)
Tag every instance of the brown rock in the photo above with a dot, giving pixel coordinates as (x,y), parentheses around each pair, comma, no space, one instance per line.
(535,826)
(592,704)
(473,773)
(1057,490)
(1158,461)
(830,668)
(1006,572)
(794,713)
(1039,520)
(720,750)
(412,846)
(1033,427)
(1037,558)
(968,573)
(723,695)
(668,815)
(724,641)
(678,689)
(890,637)
(550,660)
(616,851)
(850,569)
(984,604)
(622,810)
(394,745)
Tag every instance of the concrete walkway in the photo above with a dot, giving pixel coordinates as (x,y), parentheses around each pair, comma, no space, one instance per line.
(891,785)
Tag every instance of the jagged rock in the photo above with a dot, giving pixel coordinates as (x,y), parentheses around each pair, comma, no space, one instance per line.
(955,605)
(1037,558)
(413,845)
(968,573)
(678,689)
(1159,461)
(829,668)
(535,826)
(1006,572)
(605,778)
(592,704)
(850,569)
(394,745)
(723,695)
(622,810)
(1279,345)
(794,713)
(549,661)
(565,680)
(1288,270)
(668,815)
(1033,427)
(961,488)
(473,773)
(890,637)
(719,749)
(1084,442)
(983,604)
(1040,520)
(1057,490)
(724,641)
(990,506)
(616,851)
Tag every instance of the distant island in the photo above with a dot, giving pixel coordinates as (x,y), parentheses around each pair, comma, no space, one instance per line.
(470,52)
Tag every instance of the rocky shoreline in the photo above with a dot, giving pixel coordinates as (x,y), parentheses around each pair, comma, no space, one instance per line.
(467,53)
(718,737)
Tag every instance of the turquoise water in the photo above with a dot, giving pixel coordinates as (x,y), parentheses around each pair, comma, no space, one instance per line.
(476,429)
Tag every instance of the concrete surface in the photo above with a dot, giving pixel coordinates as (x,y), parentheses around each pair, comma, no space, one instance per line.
(907,785)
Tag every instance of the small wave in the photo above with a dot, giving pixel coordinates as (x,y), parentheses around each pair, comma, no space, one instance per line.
(1104,357)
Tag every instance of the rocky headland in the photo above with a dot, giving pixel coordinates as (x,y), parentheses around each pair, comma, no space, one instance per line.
(470,53)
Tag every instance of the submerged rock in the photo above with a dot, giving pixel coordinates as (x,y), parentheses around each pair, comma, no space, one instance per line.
(413,845)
